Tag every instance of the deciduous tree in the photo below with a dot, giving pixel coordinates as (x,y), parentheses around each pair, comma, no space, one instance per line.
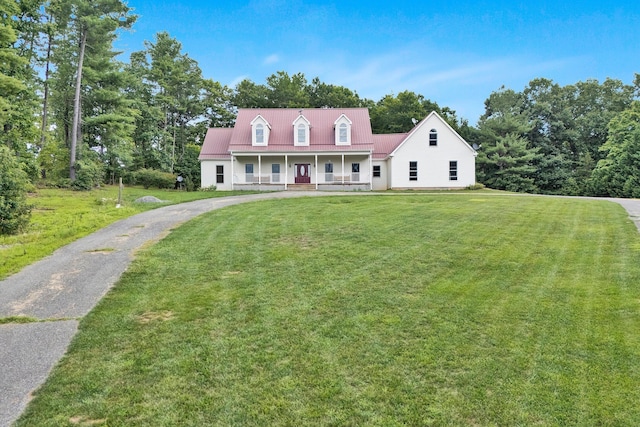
(396,114)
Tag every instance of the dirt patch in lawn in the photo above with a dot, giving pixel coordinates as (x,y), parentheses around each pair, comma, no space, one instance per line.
(152,316)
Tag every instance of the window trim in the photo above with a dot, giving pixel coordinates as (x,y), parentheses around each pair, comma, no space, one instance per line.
(249,172)
(219,174)
(343,133)
(301,128)
(433,138)
(377,171)
(259,133)
(275,172)
(453,170)
(355,172)
(413,171)
(328,172)
(342,130)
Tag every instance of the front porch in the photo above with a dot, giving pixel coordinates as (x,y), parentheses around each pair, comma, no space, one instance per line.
(304,187)
(305,172)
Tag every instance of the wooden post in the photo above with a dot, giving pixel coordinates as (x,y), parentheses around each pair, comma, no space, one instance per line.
(119,194)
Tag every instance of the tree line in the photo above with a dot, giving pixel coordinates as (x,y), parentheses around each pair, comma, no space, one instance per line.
(73,115)
(580,139)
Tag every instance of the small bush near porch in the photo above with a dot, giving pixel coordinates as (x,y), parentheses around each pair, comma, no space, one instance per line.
(371,310)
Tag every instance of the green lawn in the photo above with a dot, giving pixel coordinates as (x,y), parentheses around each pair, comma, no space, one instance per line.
(61,216)
(381,310)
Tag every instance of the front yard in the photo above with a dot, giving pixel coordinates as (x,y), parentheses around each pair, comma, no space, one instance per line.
(378,310)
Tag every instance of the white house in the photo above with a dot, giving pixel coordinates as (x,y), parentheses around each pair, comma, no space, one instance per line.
(330,149)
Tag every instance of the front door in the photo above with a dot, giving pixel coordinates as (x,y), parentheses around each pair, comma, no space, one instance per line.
(302,173)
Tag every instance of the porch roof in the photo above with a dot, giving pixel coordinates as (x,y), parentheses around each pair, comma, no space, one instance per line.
(386,143)
(216,144)
(295,151)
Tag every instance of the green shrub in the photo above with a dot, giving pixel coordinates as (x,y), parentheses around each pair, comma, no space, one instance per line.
(476,186)
(189,185)
(88,175)
(54,164)
(154,178)
(56,183)
(15,212)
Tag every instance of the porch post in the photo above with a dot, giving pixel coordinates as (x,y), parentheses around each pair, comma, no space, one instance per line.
(286,171)
(343,170)
(316,171)
(371,170)
(259,169)
(233,159)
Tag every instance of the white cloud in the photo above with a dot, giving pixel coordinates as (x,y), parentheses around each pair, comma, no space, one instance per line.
(237,80)
(271,59)
(417,69)
(458,80)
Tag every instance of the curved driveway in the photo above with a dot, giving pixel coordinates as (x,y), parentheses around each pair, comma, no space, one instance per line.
(62,288)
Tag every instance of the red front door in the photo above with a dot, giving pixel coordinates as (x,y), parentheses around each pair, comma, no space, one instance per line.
(302,173)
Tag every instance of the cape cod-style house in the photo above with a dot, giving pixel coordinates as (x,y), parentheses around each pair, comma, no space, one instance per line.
(333,149)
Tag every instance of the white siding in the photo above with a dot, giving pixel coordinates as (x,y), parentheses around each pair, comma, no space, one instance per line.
(208,174)
(382,182)
(433,161)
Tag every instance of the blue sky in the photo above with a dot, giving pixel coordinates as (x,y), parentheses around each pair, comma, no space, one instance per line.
(454,53)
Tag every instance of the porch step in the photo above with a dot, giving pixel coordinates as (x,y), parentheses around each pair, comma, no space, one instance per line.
(301,187)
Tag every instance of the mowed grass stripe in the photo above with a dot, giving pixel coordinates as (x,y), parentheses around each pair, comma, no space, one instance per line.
(378,310)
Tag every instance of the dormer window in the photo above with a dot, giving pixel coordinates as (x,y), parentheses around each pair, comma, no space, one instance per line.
(343,133)
(343,130)
(260,134)
(260,130)
(301,131)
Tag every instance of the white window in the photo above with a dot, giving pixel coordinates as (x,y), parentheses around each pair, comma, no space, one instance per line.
(355,172)
(259,134)
(260,131)
(342,128)
(328,172)
(248,170)
(301,131)
(219,174)
(453,170)
(413,171)
(433,138)
(343,133)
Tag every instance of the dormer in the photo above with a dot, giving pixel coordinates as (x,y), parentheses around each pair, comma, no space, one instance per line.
(301,131)
(260,129)
(342,127)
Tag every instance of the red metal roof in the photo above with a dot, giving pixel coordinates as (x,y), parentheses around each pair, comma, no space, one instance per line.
(216,144)
(386,143)
(321,136)
(220,142)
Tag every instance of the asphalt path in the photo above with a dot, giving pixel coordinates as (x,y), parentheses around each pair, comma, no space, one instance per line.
(63,287)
